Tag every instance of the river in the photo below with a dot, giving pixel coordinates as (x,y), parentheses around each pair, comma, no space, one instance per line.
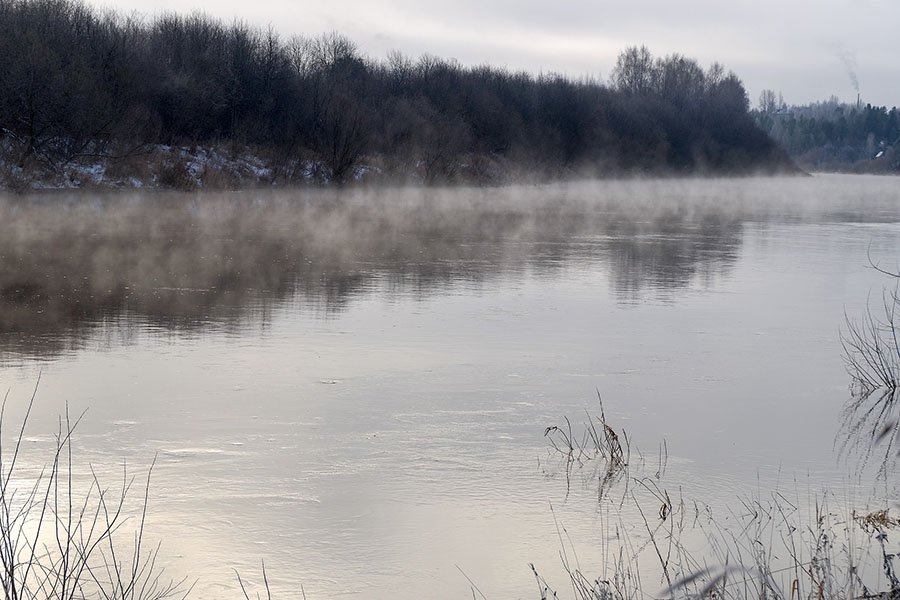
(353,386)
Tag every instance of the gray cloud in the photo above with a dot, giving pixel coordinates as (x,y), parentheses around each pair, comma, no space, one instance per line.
(788,47)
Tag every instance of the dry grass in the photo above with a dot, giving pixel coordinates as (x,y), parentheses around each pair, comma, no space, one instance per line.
(57,543)
(766,549)
(871,343)
(596,450)
(785,546)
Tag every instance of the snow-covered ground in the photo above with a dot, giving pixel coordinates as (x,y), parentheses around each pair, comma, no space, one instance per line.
(165,167)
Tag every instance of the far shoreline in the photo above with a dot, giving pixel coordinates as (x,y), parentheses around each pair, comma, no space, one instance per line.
(186,170)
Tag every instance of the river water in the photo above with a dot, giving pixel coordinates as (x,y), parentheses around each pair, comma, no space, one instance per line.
(353,386)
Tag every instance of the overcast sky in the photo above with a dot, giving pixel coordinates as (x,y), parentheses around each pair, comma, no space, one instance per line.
(803,48)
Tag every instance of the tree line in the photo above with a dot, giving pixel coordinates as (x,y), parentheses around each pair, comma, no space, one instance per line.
(80,84)
(833,135)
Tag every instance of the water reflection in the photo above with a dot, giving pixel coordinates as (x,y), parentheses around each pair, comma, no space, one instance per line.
(872,357)
(871,428)
(673,251)
(385,425)
(71,264)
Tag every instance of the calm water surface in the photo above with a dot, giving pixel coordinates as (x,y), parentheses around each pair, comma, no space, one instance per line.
(354,386)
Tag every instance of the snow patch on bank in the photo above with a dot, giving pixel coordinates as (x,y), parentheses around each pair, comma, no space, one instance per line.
(165,167)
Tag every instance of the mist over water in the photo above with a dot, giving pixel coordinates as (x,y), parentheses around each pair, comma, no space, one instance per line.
(354,385)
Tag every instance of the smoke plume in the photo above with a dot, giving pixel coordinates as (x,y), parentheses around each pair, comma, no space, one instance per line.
(849,59)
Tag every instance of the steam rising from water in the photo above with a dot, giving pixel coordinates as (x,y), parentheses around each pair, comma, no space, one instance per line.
(181,262)
(381,424)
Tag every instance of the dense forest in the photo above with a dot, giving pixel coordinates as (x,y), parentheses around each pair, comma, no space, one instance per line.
(184,101)
(834,136)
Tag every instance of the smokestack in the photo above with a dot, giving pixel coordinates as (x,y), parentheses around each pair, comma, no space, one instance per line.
(857,100)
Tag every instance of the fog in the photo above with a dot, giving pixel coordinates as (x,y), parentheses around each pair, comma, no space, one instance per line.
(182,262)
(353,385)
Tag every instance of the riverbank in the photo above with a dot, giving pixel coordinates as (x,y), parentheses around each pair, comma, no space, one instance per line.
(99,98)
(203,167)
(161,166)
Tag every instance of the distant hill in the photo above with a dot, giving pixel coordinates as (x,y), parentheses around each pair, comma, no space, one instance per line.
(101,98)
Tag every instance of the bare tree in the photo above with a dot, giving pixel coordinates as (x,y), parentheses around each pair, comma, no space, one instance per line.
(633,72)
(767,102)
